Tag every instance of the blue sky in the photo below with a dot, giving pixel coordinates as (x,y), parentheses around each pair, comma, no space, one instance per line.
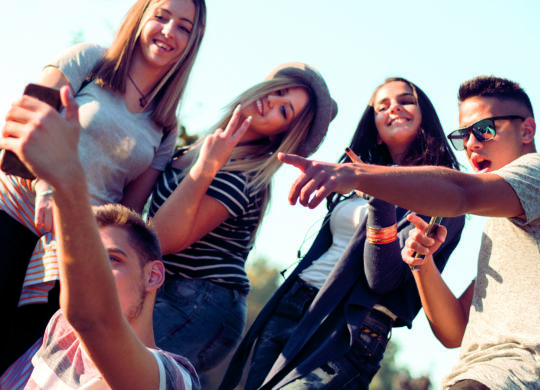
(355,44)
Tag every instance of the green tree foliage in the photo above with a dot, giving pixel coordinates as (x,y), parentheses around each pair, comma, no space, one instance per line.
(183,138)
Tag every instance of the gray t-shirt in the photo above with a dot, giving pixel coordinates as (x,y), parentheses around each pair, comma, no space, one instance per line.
(116,146)
(501,345)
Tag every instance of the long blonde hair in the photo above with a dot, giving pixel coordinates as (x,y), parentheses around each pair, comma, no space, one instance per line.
(164,99)
(258,159)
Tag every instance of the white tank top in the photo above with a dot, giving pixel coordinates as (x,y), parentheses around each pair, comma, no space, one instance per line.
(343,223)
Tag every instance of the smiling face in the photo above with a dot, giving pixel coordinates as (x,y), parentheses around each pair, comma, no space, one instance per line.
(508,143)
(165,32)
(272,114)
(397,117)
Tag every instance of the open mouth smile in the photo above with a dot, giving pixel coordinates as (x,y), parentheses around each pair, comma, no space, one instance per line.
(162,45)
(399,119)
(259,106)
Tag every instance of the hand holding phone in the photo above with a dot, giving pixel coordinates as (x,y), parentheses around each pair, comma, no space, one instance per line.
(9,162)
(431,228)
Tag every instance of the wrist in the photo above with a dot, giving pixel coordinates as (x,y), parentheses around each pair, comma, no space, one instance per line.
(42,194)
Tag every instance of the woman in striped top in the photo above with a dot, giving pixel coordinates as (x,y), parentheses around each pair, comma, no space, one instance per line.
(209,201)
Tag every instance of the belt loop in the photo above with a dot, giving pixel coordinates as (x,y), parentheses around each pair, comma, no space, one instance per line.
(235,296)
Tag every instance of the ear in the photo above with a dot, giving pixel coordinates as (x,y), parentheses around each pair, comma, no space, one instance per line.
(528,130)
(379,140)
(154,275)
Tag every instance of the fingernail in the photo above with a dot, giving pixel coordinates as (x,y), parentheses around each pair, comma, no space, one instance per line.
(238,108)
(248,120)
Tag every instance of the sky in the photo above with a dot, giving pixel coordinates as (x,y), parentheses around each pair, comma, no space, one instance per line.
(355,45)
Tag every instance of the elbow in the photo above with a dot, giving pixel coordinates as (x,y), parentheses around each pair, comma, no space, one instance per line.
(377,285)
(170,240)
(449,338)
(450,343)
(168,248)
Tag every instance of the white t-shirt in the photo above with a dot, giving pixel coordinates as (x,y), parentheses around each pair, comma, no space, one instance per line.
(501,345)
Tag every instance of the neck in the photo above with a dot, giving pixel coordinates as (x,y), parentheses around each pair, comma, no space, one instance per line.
(144,76)
(397,156)
(143,325)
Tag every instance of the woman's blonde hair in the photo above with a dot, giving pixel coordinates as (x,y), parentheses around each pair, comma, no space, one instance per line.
(258,159)
(164,99)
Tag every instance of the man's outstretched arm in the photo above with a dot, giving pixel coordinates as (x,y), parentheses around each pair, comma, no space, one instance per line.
(427,190)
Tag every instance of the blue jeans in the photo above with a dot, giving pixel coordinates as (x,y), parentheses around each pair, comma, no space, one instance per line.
(278,330)
(354,370)
(199,320)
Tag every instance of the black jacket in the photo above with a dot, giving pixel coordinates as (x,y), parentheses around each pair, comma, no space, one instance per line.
(329,327)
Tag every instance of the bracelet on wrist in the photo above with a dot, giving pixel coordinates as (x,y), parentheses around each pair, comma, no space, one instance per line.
(379,236)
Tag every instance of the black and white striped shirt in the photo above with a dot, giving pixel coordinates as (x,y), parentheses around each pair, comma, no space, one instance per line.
(219,256)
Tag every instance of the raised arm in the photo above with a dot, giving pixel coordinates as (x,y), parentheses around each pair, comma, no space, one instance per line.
(189,214)
(88,295)
(426,190)
(447,315)
(43,216)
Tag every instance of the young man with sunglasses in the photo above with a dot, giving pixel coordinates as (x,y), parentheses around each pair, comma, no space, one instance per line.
(496,319)
(110,270)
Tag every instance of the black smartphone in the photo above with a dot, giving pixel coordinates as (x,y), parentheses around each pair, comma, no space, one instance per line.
(9,162)
(429,232)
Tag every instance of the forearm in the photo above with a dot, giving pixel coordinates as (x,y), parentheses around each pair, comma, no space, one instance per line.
(383,265)
(438,191)
(446,315)
(85,273)
(175,220)
(424,190)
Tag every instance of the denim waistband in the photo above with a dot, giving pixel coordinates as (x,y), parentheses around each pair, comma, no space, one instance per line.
(300,284)
(381,320)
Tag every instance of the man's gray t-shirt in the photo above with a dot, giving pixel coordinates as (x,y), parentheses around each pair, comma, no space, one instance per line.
(501,345)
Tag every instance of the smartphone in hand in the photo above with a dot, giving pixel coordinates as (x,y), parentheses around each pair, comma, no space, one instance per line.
(430,231)
(9,162)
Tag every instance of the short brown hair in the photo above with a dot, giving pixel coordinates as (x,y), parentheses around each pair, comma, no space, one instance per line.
(141,236)
(496,87)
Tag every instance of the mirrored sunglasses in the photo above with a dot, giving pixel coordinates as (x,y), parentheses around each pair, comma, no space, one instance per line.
(483,131)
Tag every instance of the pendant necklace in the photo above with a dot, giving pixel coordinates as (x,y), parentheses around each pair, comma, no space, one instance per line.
(142,100)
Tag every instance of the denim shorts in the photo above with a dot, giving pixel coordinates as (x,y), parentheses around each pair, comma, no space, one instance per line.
(199,320)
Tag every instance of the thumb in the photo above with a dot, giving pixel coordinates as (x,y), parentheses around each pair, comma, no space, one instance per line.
(294,160)
(72,109)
